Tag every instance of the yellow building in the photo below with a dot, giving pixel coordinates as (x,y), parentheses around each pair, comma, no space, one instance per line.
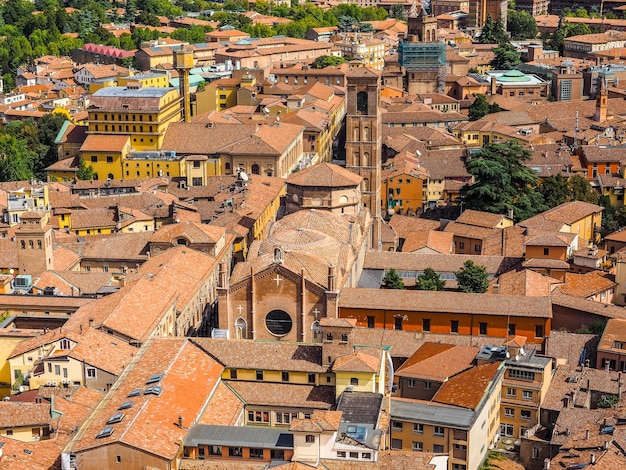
(526,382)
(71,358)
(369,52)
(218,95)
(8,341)
(462,425)
(26,422)
(143,114)
(404,185)
(146,80)
(104,153)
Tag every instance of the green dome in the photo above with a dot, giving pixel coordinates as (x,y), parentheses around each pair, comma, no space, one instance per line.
(514,76)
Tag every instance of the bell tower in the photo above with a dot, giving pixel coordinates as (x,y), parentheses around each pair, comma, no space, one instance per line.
(363,140)
(602,99)
(34,240)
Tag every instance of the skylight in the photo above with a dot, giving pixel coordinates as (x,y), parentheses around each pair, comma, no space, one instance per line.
(135,393)
(126,405)
(116,418)
(106,432)
(154,379)
(154,390)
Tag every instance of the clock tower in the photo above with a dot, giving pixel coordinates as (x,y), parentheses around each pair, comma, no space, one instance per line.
(363,140)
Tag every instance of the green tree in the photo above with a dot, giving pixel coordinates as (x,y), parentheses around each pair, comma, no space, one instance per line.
(493,32)
(481,107)
(392,280)
(506,57)
(48,128)
(472,278)
(581,190)
(327,61)
(430,280)
(85,172)
(16,161)
(554,190)
(503,182)
(521,25)
(398,11)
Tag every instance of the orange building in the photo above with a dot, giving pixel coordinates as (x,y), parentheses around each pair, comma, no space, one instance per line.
(452,313)
(602,160)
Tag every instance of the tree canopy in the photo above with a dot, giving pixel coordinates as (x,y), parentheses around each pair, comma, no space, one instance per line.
(430,280)
(392,280)
(521,25)
(502,182)
(473,278)
(481,107)
(506,57)
(493,32)
(327,60)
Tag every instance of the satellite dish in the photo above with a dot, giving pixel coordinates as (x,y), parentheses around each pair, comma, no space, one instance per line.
(277,118)
(522,352)
(508,355)
(22,389)
(244,176)
(266,110)
(418,153)
(517,357)
(11,271)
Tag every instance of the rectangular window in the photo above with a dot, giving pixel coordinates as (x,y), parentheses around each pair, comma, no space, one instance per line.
(482,328)
(366,455)
(546,251)
(91,372)
(512,329)
(521,374)
(259,375)
(310,438)
(311,378)
(438,431)
(233,374)
(454,326)
(256,453)
(285,377)
(396,425)
(426,324)
(235,452)
(417,446)
(538,331)
(427,385)
(371,322)
(527,394)
(438,449)
(396,444)
(94,159)
(354,455)
(418,428)
(354,381)
(196,181)
(510,392)
(109,159)
(509,412)
(411,383)
(476,248)
(341,454)
(461,245)
(57,369)
(525,414)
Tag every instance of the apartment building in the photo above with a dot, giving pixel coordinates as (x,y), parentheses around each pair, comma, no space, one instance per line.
(462,419)
(524,387)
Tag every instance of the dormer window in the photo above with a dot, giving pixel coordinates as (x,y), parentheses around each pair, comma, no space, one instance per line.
(278,255)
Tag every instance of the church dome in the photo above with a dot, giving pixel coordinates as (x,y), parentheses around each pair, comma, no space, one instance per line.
(514,76)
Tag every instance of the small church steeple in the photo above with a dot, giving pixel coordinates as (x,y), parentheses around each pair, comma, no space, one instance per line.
(602,99)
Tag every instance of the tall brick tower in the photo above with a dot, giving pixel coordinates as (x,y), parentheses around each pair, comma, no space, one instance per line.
(363,140)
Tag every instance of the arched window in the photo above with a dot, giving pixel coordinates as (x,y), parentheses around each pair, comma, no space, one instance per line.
(361,102)
(30,244)
(268,172)
(316,329)
(357,134)
(23,245)
(366,184)
(256,170)
(240,328)
(181,241)
(343,200)
(39,244)
(110,176)
(366,133)
(366,159)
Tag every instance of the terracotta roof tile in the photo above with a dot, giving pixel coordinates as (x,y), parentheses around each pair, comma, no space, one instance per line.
(586,285)
(151,424)
(467,389)
(358,361)
(438,362)
(320,397)
(324,174)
